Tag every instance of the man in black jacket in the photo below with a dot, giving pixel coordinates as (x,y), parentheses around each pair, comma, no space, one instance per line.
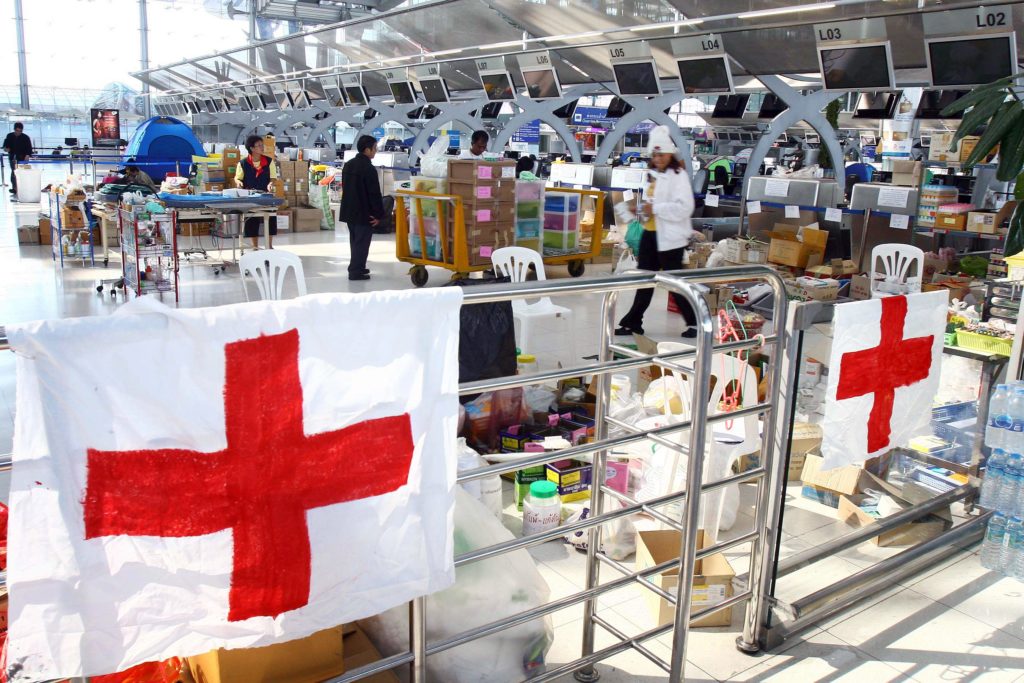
(362,206)
(18,147)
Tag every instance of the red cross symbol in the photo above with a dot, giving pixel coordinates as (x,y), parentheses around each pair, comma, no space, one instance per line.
(259,487)
(895,362)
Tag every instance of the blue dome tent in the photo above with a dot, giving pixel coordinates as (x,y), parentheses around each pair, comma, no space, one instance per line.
(161,141)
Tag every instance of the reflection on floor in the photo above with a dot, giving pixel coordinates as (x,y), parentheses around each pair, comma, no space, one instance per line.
(955,622)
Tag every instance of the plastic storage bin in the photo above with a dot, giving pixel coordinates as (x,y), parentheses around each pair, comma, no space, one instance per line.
(30,183)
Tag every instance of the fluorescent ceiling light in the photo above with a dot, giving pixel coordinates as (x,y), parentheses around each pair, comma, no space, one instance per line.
(498,46)
(786,10)
(445,52)
(674,24)
(573,36)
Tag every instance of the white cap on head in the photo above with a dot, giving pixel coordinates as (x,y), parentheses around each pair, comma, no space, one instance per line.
(661,142)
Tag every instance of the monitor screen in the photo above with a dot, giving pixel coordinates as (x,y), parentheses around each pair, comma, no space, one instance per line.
(771,106)
(434,90)
(934,101)
(284,100)
(705,75)
(637,78)
(402,92)
(567,111)
(243,104)
(730,106)
(876,105)
(192,106)
(498,86)
(542,84)
(971,61)
(333,93)
(355,95)
(856,67)
(300,99)
(490,110)
(618,108)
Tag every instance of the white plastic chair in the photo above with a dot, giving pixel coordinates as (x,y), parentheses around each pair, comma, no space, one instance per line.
(891,267)
(268,268)
(514,263)
(729,442)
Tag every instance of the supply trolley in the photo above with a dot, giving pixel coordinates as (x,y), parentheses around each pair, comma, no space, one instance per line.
(459,234)
(72,234)
(149,252)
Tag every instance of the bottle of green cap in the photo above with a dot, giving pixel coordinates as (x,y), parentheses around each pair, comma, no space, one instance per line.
(543,489)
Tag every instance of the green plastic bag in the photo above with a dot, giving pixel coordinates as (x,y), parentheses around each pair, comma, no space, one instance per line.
(633,234)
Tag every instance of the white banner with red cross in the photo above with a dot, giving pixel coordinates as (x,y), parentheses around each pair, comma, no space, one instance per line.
(227,477)
(883,375)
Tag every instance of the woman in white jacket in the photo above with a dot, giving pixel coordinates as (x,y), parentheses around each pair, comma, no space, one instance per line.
(667,209)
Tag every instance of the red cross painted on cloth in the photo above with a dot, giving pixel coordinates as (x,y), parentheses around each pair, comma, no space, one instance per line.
(259,487)
(895,362)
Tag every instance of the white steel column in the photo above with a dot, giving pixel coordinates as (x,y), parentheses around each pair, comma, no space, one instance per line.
(19,30)
(147,107)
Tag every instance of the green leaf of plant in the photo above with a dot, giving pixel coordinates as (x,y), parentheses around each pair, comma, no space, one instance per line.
(1015,235)
(1018,190)
(978,116)
(1011,155)
(976,95)
(1005,120)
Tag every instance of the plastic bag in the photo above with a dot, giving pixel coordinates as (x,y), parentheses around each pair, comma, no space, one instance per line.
(626,262)
(434,163)
(633,234)
(486,490)
(490,412)
(618,537)
(484,591)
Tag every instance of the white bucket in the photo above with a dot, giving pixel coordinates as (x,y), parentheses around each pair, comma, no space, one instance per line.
(30,182)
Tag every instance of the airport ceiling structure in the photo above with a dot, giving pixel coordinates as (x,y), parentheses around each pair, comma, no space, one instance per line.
(762,37)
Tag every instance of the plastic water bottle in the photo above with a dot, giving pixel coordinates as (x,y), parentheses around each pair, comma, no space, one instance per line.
(999,419)
(993,480)
(1009,485)
(1013,546)
(1013,439)
(992,546)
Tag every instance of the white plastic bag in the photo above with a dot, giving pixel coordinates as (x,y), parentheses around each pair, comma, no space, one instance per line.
(626,262)
(434,162)
(484,591)
(618,537)
(486,490)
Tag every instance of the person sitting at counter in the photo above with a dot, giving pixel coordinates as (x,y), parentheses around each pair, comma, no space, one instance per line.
(477,145)
(133,175)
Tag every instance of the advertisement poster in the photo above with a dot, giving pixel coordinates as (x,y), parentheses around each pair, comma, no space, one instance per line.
(106,127)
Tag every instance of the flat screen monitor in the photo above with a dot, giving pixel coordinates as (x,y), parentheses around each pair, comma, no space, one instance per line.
(934,101)
(435,91)
(730,106)
(705,75)
(866,66)
(618,108)
(192,106)
(567,111)
(490,110)
(542,84)
(771,106)
(71,142)
(243,104)
(970,61)
(876,105)
(333,92)
(402,92)
(637,78)
(284,100)
(300,100)
(209,105)
(498,86)
(355,95)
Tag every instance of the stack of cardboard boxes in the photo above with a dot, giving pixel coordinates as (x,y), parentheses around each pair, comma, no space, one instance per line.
(294,176)
(487,189)
(229,159)
(210,176)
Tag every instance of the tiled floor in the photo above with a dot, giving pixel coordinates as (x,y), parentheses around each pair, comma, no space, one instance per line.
(956,622)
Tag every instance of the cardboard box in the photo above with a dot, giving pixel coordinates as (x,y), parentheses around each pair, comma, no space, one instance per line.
(860,287)
(46,231)
(195,228)
(72,218)
(470,170)
(523,480)
(950,221)
(918,531)
(28,234)
(906,172)
(305,220)
(836,268)
(813,288)
(982,222)
(359,651)
(307,660)
(745,251)
(712,581)
(825,486)
(798,247)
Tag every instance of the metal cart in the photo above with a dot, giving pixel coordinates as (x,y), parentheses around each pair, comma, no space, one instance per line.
(451,250)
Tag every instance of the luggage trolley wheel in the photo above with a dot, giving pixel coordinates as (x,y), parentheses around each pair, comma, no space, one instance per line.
(577,268)
(418,275)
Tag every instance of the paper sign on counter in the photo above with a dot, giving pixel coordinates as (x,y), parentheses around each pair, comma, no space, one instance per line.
(834,215)
(899,221)
(483,215)
(483,192)
(508,171)
(711,199)
(485,252)
(792,211)
(776,188)
(627,196)
(753,207)
(484,172)
(893,196)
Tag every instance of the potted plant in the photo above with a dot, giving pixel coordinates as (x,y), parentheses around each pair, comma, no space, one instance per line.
(999,107)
